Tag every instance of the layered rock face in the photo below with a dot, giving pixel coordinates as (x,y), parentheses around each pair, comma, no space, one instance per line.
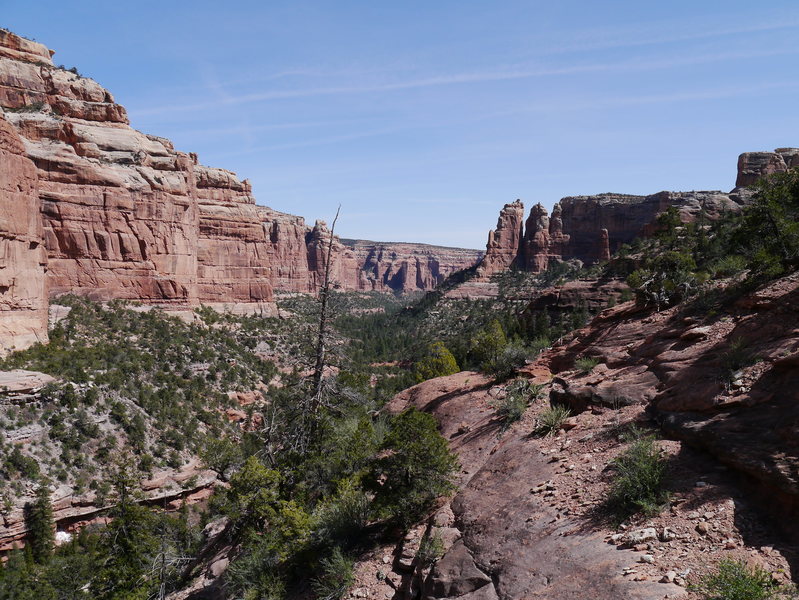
(401,266)
(504,242)
(125,215)
(754,165)
(233,246)
(591,228)
(625,217)
(23,301)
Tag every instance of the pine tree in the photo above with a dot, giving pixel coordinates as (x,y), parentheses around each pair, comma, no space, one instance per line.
(41,527)
(438,363)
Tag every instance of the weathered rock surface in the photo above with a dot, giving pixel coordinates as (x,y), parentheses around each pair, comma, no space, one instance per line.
(727,383)
(71,513)
(543,241)
(23,300)
(504,242)
(19,385)
(754,165)
(407,267)
(592,228)
(514,544)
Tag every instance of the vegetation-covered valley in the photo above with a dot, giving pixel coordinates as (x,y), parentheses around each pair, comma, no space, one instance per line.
(288,476)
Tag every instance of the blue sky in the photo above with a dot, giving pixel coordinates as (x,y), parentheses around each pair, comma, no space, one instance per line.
(423,118)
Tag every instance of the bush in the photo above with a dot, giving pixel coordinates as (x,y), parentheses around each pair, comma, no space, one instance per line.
(339,521)
(336,578)
(415,466)
(41,526)
(638,483)
(551,419)
(735,580)
(487,344)
(430,550)
(439,362)
(665,280)
(738,356)
(728,265)
(509,360)
(255,574)
(511,407)
(586,364)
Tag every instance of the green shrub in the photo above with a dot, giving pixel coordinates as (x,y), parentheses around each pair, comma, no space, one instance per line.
(17,462)
(430,550)
(41,526)
(509,360)
(638,482)
(728,265)
(586,364)
(665,279)
(518,394)
(552,419)
(737,356)
(336,577)
(255,574)
(487,344)
(340,520)
(735,580)
(438,362)
(415,466)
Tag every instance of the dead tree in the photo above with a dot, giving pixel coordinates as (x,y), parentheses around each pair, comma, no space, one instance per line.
(321,340)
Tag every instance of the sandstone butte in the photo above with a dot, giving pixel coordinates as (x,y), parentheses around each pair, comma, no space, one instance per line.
(89,205)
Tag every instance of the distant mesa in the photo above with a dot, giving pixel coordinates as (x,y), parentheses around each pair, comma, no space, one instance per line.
(591,228)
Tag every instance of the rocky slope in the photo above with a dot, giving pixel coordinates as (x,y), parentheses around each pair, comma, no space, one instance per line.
(725,382)
(125,215)
(527,520)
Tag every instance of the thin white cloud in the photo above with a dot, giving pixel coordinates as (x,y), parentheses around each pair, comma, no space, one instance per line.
(649,35)
(593,103)
(501,74)
(240,129)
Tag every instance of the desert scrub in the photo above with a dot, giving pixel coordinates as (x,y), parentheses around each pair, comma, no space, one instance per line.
(586,364)
(518,395)
(336,577)
(735,580)
(638,481)
(551,419)
(737,357)
(431,549)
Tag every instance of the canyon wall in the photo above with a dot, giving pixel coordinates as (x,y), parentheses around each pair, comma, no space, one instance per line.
(592,228)
(23,301)
(92,206)
(754,165)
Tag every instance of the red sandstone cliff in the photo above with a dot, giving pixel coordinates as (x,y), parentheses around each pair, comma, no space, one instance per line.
(23,301)
(125,215)
(591,228)
(754,165)
(504,242)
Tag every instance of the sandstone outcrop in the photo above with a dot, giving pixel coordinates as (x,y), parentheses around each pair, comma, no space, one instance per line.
(726,383)
(505,241)
(514,543)
(71,513)
(754,165)
(402,266)
(23,299)
(590,228)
